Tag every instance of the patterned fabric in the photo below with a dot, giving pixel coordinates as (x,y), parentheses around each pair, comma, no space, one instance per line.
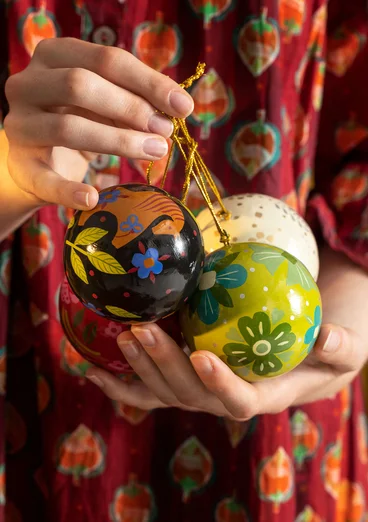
(73,455)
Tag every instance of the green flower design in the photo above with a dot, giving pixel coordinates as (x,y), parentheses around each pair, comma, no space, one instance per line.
(262,344)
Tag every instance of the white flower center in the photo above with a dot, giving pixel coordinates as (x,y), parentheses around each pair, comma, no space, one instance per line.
(208,280)
(262,347)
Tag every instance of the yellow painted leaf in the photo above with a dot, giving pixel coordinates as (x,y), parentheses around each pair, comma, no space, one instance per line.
(71,222)
(90,235)
(106,263)
(120,312)
(78,266)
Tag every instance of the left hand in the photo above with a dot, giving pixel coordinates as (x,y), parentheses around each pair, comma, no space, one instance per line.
(204,383)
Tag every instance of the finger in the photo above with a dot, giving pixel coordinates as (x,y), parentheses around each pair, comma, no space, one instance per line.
(119,67)
(143,365)
(130,393)
(239,398)
(176,368)
(340,348)
(78,133)
(36,178)
(87,90)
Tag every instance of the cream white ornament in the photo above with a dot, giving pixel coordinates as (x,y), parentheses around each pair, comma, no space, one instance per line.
(258,218)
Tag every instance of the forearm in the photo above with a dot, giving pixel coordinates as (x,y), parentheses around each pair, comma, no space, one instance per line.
(344,290)
(15,205)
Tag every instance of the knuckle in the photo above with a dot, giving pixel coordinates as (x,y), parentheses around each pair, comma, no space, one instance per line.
(106,59)
(124,142)
(43,46)
(12,86)
(63,128)
(75,82)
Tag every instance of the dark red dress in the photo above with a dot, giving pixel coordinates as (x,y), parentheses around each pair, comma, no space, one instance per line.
(70,454)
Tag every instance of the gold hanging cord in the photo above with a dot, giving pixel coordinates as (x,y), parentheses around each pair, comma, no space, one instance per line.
(195,167)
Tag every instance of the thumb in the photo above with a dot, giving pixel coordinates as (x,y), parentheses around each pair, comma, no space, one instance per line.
(340,347)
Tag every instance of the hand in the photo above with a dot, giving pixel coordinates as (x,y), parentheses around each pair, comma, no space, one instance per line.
(76,98)
(204,383)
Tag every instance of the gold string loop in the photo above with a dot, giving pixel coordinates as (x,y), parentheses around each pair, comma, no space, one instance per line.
(195,167)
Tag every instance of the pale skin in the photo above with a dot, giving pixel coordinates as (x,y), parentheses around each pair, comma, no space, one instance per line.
(64,108)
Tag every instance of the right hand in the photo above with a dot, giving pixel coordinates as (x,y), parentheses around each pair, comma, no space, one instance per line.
(76,98)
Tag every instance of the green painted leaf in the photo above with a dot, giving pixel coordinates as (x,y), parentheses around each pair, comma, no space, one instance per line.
(78,318)
(285,356)
(277,315)
(90,235)
(78,267)
(222,296)
(297,275)
(225,261)
(270,259)
(120,312)
(89,333)
(106,263)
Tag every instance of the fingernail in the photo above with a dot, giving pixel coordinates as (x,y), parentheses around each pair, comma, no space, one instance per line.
(144,336)
(130,349)
(95,380)
(333,341)
(160,125)
(155,148)
(81,198)
(181,102)
(202,364)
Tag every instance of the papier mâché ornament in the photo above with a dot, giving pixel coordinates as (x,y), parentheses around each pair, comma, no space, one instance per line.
(136,257)
(256,307)
(257,218)
(95,337)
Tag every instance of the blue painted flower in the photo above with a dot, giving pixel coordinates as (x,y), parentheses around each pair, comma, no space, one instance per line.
(108,197)
(92,307)
(219,274)
(132,224)
(312,333)
(147,263)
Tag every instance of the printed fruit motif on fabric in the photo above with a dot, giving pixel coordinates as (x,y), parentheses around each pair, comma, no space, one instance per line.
(254,146)
(213,103)
(38,248)
(350,504)
(344,45)
(157,44)
(229,510)
(191,467)
(304,184)
(81,454)
(43,393)
(350,185)
(195,199)
(211,9)
(36,25)
(305,436)
(292,15)
(238,430)
(15,429)
(131,414)
(301,132)
(308,515)
(331,469)
(133,502)
(276,479)
(318,83)
(258,43)
(5,272)
(71,361)
(233,313)
(350,134)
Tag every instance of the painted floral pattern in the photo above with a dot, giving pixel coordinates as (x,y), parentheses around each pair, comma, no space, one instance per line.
(219,275)
(262,126)
(262,344)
